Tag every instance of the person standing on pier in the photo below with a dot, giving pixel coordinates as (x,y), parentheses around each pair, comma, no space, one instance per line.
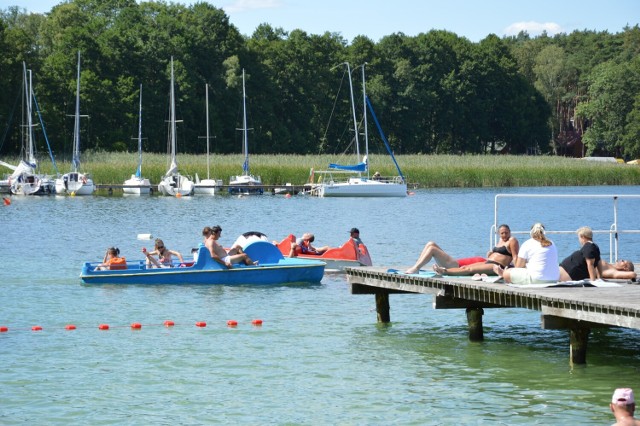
(622,406)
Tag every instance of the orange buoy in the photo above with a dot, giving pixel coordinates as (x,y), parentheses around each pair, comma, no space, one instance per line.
(70,327)
(178,195)
(201,324)
(256,322)
(4,329)
(136,325)
(287,196)
(232,323)
(36,328)
(169,323)
(6,201)
(103,327)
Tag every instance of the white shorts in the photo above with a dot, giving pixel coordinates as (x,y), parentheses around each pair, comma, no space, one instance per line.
(522,276)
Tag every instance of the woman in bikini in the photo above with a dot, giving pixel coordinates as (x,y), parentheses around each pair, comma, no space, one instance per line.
(165,256)
(503,254)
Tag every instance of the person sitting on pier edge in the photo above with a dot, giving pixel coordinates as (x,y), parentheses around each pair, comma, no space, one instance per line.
(112,260)
(218,253)
(623,406)
(165,256)
(503,254)
(537,261)
(584,263)
(303,246)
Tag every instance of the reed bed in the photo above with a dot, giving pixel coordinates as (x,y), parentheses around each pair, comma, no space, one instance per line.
(425,171)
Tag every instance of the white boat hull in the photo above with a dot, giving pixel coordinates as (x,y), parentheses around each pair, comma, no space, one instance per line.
(30,184)
(245,185)
(361,187)
(176,184)
(136,186)
(207,186)
(75,184)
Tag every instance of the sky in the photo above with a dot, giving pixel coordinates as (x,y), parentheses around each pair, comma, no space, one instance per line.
(473,19)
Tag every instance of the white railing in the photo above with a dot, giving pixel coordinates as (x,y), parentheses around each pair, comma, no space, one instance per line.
(614,231)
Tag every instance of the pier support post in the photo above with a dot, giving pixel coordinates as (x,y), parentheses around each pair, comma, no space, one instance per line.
(382,306)
(474,320)
(578,338)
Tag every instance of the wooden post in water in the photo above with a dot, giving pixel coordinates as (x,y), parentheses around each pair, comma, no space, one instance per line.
(474,320)
(578,338)
(382,306)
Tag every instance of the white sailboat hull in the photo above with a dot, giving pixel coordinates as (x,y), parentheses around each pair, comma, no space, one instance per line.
(136,186)
(32,184)
(207,186)
(176,184)
(75,183)
(246,185)
(361,187)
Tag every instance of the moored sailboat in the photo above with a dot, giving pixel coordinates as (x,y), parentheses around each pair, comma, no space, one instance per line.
(75,182)
(207,186)
(138,185)
(173,183)
(360,185)
(245,184)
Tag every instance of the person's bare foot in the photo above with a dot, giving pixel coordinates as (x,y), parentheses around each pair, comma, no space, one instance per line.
(498,270)
(411,270)
(439,269)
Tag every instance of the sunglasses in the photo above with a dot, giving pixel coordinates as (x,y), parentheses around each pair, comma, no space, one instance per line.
(160,247)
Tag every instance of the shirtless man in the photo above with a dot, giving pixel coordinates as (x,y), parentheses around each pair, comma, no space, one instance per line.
(218,253)
(621,270)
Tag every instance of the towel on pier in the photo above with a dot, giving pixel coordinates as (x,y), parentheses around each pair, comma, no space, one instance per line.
(421,273)
(565,284)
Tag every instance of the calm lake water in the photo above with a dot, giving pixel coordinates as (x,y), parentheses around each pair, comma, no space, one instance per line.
(319,357)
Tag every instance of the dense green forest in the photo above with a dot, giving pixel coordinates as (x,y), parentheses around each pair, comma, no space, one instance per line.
(433,93)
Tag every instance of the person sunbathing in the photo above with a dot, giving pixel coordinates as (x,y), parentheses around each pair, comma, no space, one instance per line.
(503,254)
(620,270)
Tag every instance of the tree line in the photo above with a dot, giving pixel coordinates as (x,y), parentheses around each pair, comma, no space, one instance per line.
(570,94)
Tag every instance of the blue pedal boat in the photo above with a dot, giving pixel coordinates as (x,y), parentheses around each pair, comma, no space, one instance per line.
(273,268)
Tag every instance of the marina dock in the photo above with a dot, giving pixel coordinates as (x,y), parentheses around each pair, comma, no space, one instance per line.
(576,309)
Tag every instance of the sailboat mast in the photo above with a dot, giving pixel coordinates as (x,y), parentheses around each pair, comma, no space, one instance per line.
(139,171)
(366,128)
(353,109)
(245,166)
(28,105)
(76,125)
(173,119)
(207,112)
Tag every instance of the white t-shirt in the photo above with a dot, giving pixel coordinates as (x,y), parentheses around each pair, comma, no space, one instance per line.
(542,262)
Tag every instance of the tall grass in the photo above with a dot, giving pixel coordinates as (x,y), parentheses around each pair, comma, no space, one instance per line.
(426,171)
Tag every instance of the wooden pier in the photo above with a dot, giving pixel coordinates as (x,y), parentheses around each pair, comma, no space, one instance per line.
(577,309)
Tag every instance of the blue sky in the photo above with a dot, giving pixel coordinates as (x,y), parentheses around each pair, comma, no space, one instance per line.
(473,19)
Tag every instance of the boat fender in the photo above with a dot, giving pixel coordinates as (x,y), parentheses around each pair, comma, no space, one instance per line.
(84,179)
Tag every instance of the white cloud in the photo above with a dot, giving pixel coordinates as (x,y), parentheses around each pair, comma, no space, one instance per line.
(533,28)
(248,5)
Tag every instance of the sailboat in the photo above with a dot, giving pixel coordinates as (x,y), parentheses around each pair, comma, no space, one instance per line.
(360,185)
(74,182)
(137,185)
(24,180)
(173,183)
(207,186)
(245,184)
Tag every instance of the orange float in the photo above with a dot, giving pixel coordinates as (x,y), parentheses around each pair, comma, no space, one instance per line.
(36,328)
(169,323)
(256,322)
(136,326)
(232,323)
(4,329)
(103,327)
(70,327)
(201,324)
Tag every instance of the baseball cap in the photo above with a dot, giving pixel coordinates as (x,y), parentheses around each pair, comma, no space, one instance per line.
(623,396)
(354,230)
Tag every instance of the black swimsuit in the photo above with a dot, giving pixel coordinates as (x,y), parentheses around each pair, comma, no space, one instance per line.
(503,250)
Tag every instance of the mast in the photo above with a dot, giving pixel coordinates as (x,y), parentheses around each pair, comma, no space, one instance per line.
(139,170)
(366,131)
(76,126)
(207,112)
(29,154)
(174,164)
(245,166)
(353,109)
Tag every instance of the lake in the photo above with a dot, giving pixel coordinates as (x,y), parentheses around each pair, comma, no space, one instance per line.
(319,357)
